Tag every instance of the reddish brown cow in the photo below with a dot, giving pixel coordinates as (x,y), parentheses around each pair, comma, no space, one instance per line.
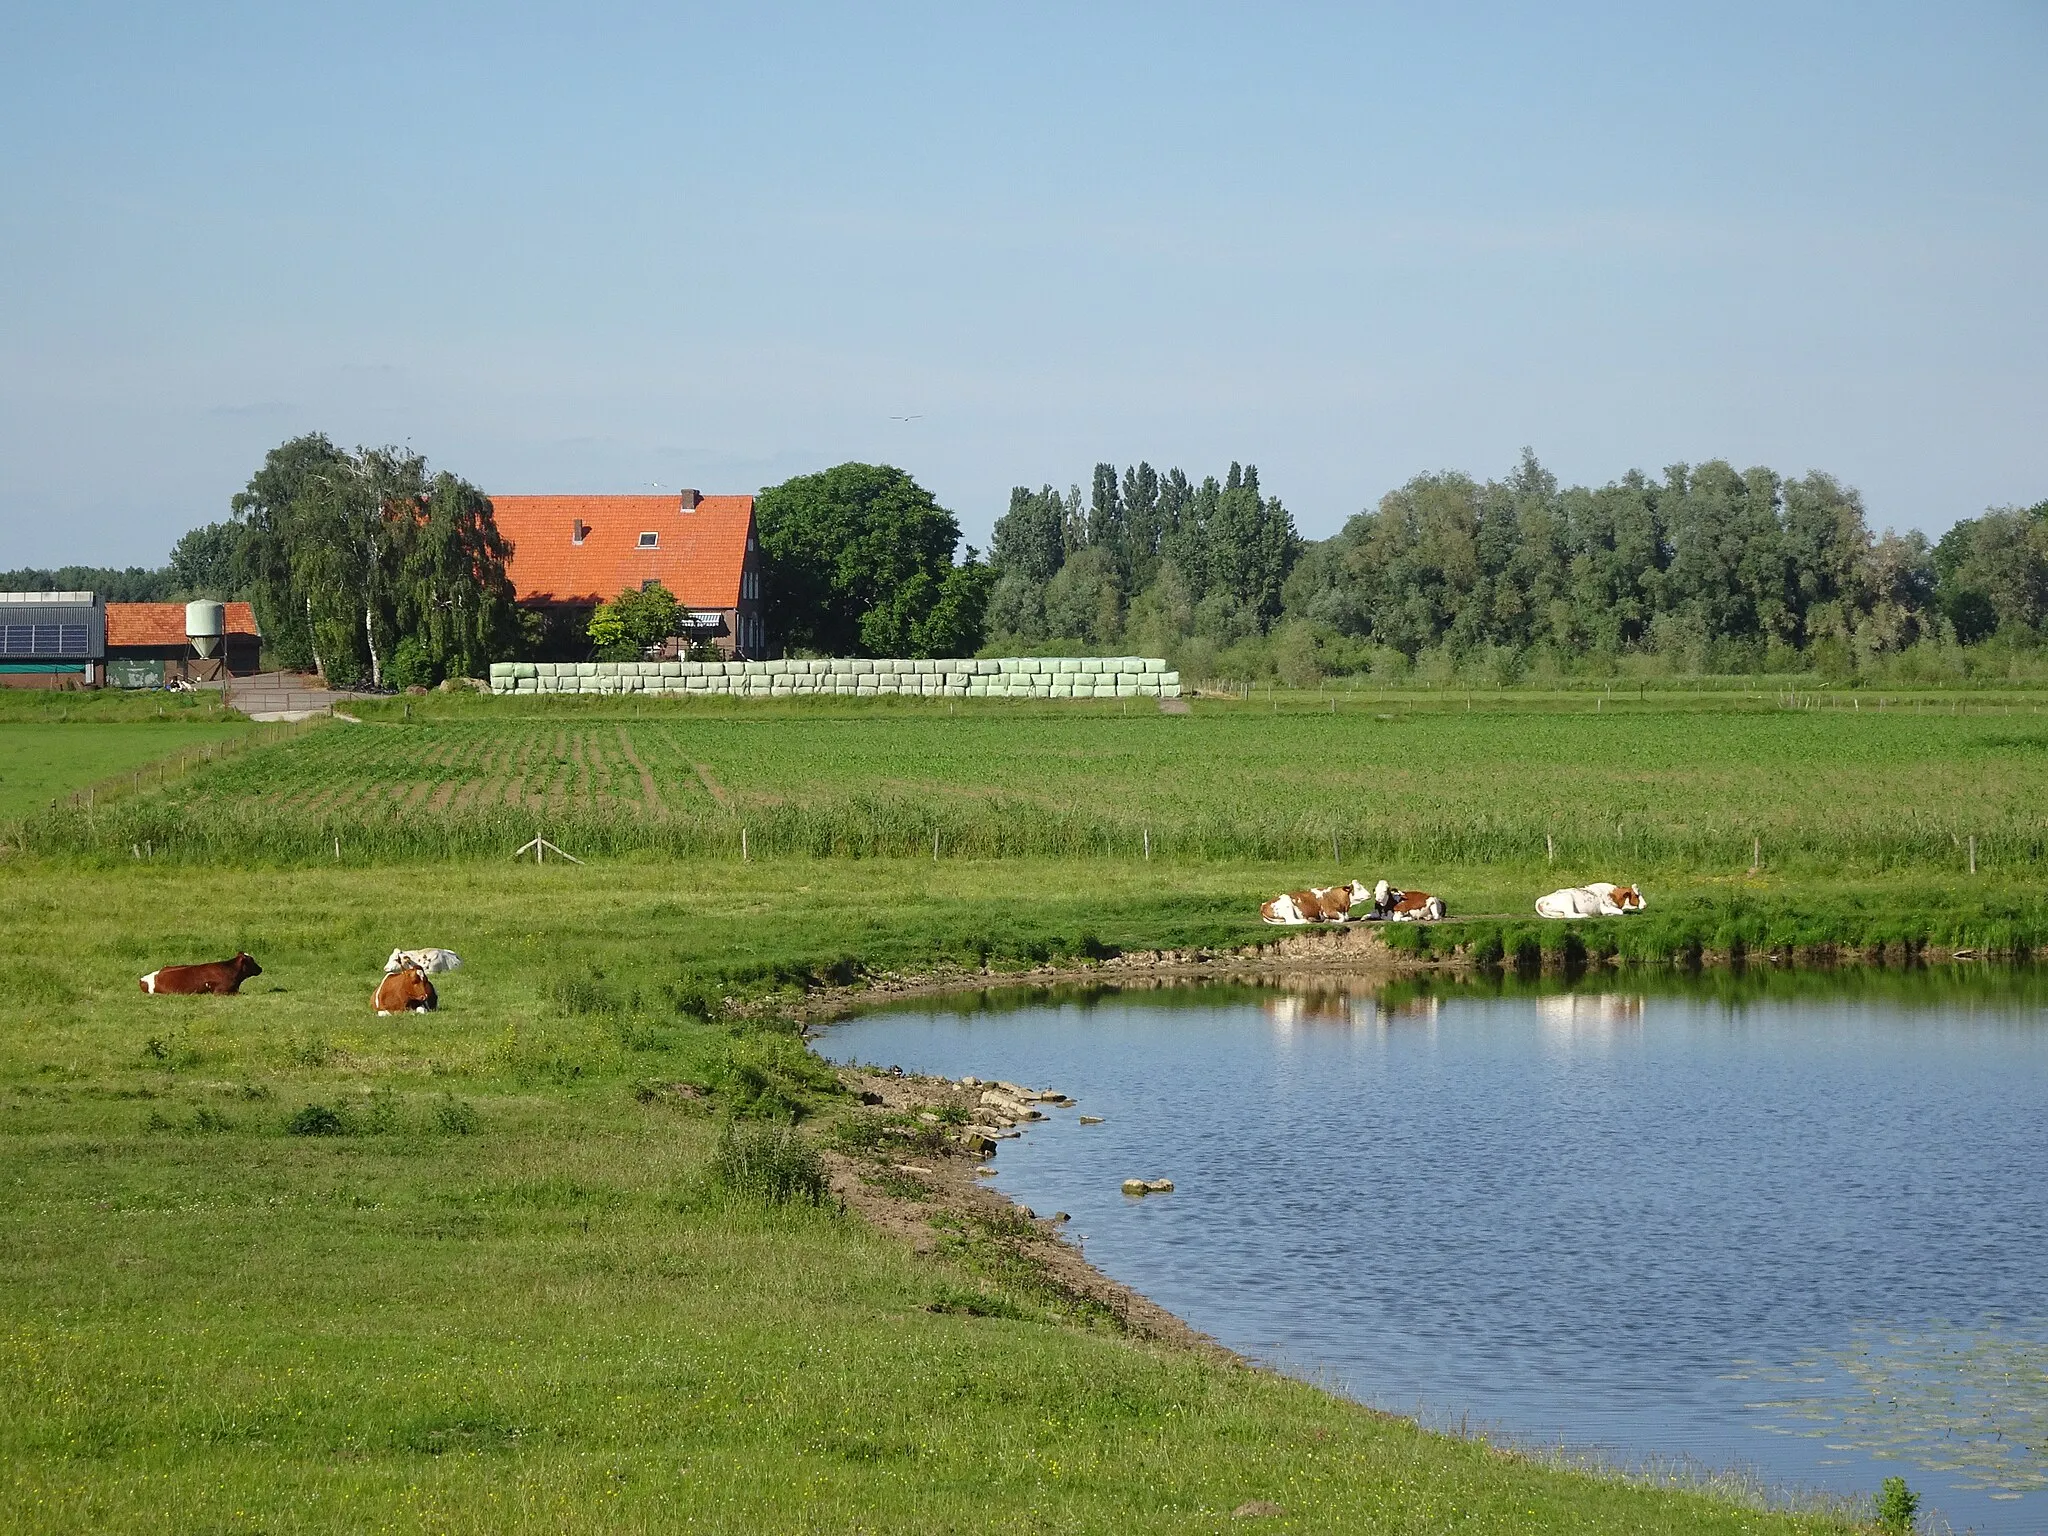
(1413,907)
(406,991)
(223,978)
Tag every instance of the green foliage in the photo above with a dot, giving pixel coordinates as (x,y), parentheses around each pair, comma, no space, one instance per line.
(207,562)
(454,1117)
(1704,570)
(860,563)
(131,584)
(1156,558)
(318,1120)
(634,622)
(1897,1505)
(412,664)
(772,1164)
(344,553)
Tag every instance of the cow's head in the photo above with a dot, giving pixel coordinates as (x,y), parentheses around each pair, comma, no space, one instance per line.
(245,965)
(1628,898)
(1382,894)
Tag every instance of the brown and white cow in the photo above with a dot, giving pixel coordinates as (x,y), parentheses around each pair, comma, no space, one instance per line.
(1408,907)
(222,978)
(1318,904)
(1601,898)
(406,990)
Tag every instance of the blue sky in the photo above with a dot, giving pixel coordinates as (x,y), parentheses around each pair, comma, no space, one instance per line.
(589,248)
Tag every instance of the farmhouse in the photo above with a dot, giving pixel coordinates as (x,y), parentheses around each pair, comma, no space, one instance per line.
(570,553)
(150,644)
(52,639)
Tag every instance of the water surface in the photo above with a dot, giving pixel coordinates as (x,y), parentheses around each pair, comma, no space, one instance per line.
(1796,1225)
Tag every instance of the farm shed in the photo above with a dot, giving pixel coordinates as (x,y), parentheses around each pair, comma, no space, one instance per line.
(570,553)
(51,639)
(150,644)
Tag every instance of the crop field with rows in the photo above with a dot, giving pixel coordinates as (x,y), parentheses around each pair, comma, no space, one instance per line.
(1656,786)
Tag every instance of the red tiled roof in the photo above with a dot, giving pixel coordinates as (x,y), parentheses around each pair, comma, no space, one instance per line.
(698,557)
(164,623)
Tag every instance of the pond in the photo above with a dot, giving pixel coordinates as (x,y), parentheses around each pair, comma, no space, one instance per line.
(1787,1225)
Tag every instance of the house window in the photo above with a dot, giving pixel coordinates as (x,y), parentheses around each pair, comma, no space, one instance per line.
(650,540)
(578,531)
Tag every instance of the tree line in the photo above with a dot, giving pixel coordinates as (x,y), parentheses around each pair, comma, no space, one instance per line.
(373,569)
(1704,568)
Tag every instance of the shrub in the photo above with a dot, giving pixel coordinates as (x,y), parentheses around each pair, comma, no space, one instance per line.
(412,665)
(317,1120)
(1896,1505)
(453,1117)
(775,1165)
(585,994)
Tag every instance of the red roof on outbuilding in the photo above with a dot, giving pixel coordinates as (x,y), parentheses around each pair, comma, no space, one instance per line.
(164,623)
(697,555)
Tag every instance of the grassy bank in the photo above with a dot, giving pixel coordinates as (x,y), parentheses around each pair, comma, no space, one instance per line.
(507,1294)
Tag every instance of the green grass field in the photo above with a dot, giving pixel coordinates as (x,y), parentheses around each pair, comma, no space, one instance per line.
(1645,787)
(41,761)
(511,1296)
(508,1299)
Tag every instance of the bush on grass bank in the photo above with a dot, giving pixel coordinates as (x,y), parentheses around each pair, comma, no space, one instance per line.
(769,1164)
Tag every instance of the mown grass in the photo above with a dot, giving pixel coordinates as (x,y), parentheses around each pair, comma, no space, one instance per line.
(499,1287)
(1643,789)
(44,760)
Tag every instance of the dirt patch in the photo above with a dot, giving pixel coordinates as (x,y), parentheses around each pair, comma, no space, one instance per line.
(650,797)
(712,787)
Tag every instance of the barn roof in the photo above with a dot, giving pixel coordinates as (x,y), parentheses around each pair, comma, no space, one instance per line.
(697,553)
(41,626)
(159,624)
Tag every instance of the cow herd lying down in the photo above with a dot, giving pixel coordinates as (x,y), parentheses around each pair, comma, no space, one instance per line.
(404,989)
(1353,902)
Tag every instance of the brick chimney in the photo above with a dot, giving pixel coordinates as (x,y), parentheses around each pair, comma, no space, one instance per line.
(690,500)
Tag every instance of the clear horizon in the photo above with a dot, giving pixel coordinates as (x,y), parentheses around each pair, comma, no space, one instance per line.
(592,250)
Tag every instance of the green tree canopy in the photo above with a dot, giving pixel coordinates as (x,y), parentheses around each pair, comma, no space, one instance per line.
(345,554)
(861,563)
(634,622)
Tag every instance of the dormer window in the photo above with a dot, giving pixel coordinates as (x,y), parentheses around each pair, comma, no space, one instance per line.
(650,541)
(578,531)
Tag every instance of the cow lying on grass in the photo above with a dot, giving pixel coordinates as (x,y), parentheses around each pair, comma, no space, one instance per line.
(1391,906)
(1352,902)
(1318,904)
(405,990)
(221,978)
(1599,899)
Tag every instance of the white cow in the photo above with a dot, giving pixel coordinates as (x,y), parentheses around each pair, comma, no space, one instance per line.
(1599,899)
(427,961)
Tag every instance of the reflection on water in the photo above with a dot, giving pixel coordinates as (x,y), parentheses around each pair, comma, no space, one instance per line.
(1791,1222)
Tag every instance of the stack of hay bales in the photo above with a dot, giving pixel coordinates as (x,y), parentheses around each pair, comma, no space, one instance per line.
(1011,677)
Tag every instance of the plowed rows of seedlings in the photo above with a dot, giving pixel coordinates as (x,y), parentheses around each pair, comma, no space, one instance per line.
(448,769)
